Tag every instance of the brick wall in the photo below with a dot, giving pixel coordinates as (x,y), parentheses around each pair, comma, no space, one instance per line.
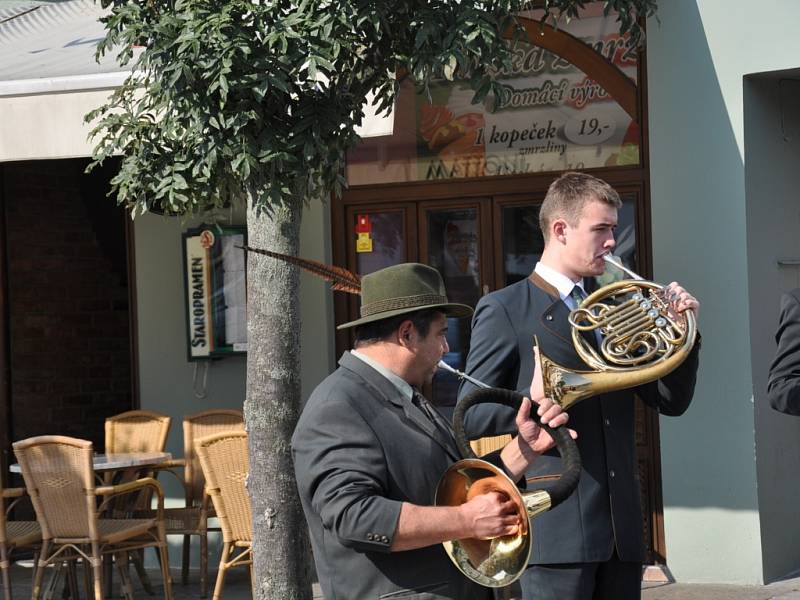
(68,299)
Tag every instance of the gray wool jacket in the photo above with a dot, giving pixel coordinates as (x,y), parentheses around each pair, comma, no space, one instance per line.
(361,449)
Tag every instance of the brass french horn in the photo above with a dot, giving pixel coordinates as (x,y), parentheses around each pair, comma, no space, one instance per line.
(642,340)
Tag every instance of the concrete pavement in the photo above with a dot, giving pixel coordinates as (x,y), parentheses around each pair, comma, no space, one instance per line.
(237,587)
(782,590)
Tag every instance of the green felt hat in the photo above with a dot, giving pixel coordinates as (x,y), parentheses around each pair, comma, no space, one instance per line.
(401,289)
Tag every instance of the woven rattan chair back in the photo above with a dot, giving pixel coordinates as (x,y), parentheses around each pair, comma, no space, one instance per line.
(3,530)
(199,426)
(13,534)
(137,431)
(225,463)
(224,460)
(58,475)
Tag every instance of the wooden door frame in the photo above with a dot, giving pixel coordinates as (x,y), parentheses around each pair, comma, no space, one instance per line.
(5,340)
(345,306)
(485,229)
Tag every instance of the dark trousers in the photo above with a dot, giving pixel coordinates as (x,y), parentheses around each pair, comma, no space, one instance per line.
(610,580)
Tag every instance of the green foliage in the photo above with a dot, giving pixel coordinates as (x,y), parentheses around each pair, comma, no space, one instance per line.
(229,97)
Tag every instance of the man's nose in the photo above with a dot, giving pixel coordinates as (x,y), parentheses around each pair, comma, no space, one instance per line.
(445,346)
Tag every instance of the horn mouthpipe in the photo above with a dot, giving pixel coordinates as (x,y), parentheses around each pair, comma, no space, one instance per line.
(613,261)
(461,375)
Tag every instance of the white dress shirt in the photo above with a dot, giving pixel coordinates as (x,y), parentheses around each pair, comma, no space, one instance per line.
(561,282)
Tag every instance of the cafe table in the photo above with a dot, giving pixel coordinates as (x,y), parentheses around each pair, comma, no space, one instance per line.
(104,463)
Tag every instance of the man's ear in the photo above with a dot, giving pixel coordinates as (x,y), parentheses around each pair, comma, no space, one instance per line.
(405,332)
(558,230)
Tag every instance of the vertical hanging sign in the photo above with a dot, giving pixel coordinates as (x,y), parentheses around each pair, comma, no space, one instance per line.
(198,286)
(216,291)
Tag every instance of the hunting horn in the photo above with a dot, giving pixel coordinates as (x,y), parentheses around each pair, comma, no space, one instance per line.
(500,561)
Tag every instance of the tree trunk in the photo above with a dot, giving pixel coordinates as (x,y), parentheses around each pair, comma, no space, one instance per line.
(282,556)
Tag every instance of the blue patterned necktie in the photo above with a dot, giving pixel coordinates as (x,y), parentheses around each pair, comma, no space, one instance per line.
(578,295)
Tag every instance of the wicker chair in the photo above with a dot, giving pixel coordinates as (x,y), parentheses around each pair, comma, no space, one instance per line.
(485,445)
(192,518)
(59,478)
(137,431)
(14,534)
(224,460)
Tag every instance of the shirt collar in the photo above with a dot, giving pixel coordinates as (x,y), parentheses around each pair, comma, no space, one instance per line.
(401,384)
(558,280)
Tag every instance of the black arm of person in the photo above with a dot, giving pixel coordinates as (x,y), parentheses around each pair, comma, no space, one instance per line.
(783,388)
(493,359)
(672,394)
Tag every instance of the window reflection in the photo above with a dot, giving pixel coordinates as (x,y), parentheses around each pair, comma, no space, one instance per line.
(454,250)
(522,241)
(388,242)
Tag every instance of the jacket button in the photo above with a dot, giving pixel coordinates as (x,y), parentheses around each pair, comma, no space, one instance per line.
(385,540)
(370,536)
(608,422)
(549,317)
(611,472)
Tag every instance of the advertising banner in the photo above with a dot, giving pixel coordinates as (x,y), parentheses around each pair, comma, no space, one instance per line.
(216,292)
(550,116)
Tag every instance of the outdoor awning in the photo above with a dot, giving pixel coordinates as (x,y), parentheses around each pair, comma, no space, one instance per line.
(49,79)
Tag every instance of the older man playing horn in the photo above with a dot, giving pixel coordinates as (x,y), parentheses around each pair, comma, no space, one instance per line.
(590,547)
(369,451)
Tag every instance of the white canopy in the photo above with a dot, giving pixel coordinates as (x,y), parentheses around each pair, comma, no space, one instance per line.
(49,79)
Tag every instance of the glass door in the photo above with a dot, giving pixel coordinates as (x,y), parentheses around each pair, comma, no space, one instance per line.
(520,242)
(375,236)
(455,239)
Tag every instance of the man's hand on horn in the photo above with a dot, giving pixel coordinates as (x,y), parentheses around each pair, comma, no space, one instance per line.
(532,440)
(549,413)
(680,300)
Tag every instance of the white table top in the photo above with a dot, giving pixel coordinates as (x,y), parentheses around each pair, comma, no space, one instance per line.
(115,462)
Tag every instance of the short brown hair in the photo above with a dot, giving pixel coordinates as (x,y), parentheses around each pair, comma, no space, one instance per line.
(567,196)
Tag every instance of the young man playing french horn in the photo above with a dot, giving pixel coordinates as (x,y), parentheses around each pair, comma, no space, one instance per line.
(591,546)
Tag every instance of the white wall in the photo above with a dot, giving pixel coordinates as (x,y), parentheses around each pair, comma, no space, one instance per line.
(165,376)
(697,57)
